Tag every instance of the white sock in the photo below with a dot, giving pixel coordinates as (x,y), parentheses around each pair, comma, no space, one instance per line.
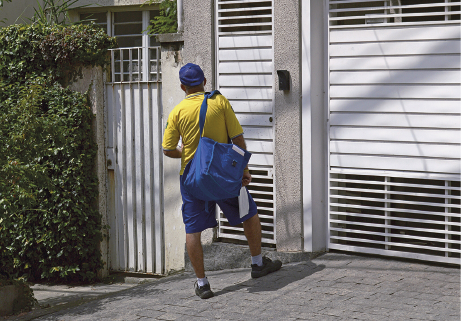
(258,260)
(202,281)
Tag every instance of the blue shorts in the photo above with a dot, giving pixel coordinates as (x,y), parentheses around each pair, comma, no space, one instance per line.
(197,217)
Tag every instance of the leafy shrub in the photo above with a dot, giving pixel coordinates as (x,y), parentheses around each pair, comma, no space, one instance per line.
(49,225)
(167,21)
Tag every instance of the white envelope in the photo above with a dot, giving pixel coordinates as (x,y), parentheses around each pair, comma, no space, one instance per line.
(244,206)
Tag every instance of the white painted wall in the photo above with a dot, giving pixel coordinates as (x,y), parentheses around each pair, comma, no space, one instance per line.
(314,140)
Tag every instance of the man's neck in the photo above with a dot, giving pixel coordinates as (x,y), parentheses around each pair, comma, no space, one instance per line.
(194,90)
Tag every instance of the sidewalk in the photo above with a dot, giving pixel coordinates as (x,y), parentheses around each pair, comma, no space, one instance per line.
(334,286)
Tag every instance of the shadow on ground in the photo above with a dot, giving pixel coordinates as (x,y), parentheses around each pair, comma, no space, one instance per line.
(277,280)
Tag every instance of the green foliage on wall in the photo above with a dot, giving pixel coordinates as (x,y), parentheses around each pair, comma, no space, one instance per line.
(49,223)
(167,21)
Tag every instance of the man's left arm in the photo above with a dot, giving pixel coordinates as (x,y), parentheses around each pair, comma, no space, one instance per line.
(177,153)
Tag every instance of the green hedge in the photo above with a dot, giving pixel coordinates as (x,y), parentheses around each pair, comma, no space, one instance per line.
(49,223)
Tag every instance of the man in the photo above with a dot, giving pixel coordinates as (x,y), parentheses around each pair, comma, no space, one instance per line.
(220,124)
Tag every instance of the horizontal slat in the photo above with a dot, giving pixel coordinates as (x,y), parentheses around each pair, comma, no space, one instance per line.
(402,236)
(249,119)
(266,133)
(245,54)
(243,15)
(395,120)
(394,15)
(245,80)
(259,146)
(402,63)
(227,33)
(428,5)
(390,192)
(233,2)
(394,210)
(406,255)
(247,93)
(254,106)
(247,9)
(396,163)
(243,238)
(396,91)
(396,134)
(245,41)
(240,229)
(395,48)
(432,248)
(396,227)
(265,67)
(396,77)
(396,106)
(396,34)
(391,184)
(223,27)
(401,219)
(399,149)
(262,159)
(393,201)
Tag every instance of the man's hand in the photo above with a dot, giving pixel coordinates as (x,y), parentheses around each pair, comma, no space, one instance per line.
(246,180)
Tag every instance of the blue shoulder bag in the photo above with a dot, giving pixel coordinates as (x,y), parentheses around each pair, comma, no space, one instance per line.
(216,170)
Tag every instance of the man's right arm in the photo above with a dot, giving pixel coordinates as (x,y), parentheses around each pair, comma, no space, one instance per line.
(240,142)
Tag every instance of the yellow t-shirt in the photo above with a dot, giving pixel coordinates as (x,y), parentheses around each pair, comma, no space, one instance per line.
(183,121)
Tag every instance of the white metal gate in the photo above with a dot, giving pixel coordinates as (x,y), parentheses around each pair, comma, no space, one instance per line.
(394,128)
(245,76)
(133,98)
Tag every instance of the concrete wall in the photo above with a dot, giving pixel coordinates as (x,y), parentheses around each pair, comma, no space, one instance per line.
(93,82)
(172,61)
(288,166)
(199,45)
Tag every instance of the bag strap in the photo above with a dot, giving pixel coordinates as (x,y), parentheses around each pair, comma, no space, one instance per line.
(204,109)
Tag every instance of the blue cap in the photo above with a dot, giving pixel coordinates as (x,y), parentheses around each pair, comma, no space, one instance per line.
(191,75)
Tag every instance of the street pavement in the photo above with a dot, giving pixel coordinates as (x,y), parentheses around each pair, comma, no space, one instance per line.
(334,286)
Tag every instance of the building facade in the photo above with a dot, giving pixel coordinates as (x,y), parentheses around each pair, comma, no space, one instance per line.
(350,108)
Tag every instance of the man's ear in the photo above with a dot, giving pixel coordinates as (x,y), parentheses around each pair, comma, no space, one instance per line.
(183,87)
(204,82)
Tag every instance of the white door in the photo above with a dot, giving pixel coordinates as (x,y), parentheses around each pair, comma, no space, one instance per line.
(394,128)
(133,150)
(133,124)
(244,31)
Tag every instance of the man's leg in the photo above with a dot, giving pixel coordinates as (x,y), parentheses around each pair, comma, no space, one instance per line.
(252,230)
(195,251)
(260,266)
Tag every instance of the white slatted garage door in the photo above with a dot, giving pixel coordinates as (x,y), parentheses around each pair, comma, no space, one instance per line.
(394,128)
(245,77)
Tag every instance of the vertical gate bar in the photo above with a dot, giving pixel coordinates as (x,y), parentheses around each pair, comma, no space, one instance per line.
(121,66)
(130,64)
(112,65)
(145,46)
(139,176)
(140,63)
(130,166)
(123,229)
(136,175)
(386,211)
(446,218)
(148,200)
(156,138)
